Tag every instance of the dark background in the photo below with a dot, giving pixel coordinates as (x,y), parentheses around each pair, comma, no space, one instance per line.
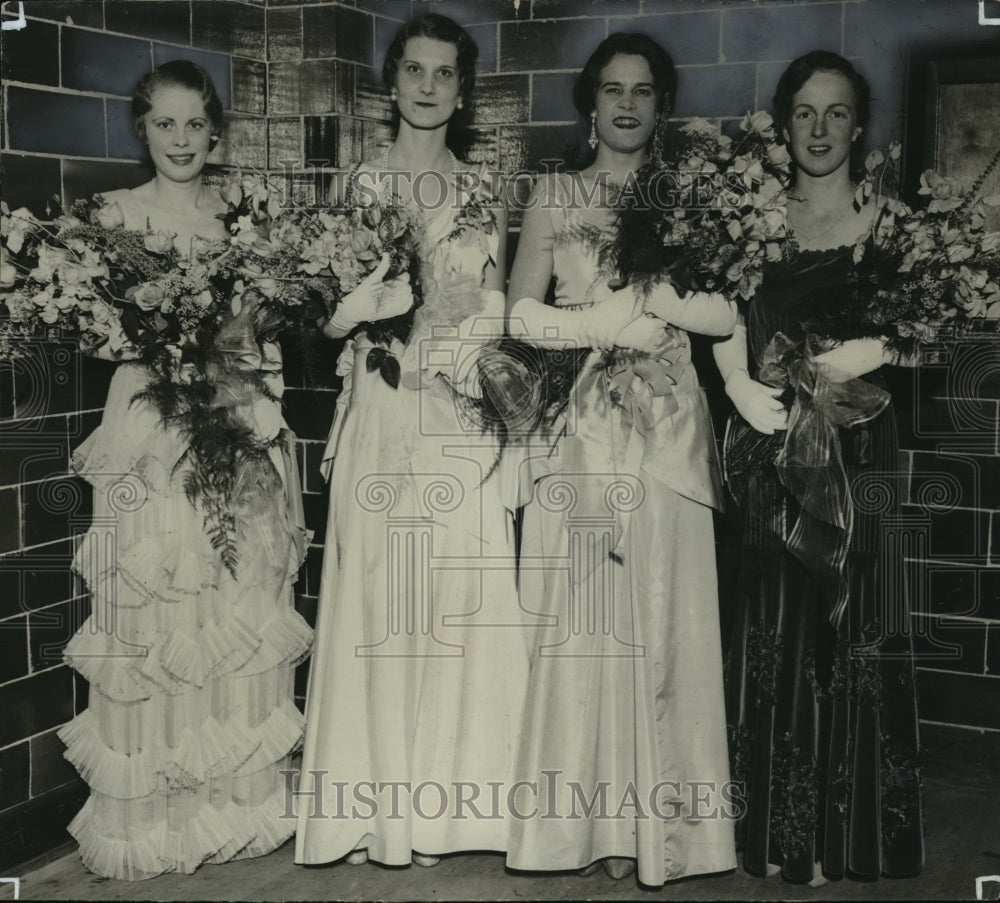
(300,82)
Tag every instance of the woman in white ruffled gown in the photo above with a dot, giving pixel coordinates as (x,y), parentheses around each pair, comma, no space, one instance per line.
(418,678)
(623,758)
(191,715)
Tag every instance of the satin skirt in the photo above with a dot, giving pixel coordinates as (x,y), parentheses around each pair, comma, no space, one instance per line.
(418,679)
(623,750)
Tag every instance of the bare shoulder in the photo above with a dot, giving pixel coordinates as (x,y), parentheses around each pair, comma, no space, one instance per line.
(215,203)
(118,195)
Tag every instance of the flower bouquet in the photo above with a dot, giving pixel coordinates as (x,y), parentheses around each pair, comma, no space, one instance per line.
(300,261)
(915,274)
(707,216)
(711,215)
(88,275)
(920,274)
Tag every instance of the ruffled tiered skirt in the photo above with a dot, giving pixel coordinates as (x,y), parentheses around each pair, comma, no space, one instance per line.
(191,716)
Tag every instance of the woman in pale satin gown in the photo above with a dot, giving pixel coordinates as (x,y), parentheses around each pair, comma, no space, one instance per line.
(418,679)
(624,742)
(191,715)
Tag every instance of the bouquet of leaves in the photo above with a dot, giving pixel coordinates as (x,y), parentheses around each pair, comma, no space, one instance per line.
(919,273)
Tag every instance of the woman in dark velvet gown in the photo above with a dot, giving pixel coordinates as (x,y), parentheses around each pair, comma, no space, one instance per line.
(820,686)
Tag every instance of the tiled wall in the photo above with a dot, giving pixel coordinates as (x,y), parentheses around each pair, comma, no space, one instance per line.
(301,82)
(67,84)
(730,54)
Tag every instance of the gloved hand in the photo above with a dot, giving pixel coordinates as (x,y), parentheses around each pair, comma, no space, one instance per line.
(757,403)
(372,300)
(854,358)
(703,312)
(646,333)
(601,326)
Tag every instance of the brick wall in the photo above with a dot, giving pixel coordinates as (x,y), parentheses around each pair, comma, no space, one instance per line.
(301,82)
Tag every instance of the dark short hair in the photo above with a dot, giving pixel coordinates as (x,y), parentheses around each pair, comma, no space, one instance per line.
(440,28)
(630,44)
(177,74)
(804,68)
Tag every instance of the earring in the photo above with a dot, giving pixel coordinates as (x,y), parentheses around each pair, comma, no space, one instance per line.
(393,96)
(458,106)
(592,140)
(656,150)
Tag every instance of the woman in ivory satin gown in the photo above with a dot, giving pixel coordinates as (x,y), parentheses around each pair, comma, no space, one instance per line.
(417,684)
(623,747)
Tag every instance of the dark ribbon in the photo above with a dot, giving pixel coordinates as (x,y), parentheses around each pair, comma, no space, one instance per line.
(383,360)
(810,460)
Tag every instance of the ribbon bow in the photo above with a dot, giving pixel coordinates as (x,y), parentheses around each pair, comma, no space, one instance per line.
(810,462)
(634,381)
(383,360)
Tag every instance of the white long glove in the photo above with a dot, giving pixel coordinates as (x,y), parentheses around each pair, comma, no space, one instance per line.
(372,300)
(707,313)
(757,403)
(618,320)
(856,357)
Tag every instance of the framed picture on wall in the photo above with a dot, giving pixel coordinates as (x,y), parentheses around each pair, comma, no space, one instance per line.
(955,121)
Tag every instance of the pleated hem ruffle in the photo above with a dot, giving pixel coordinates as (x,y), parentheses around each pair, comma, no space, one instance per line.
(211,836)
(191,711)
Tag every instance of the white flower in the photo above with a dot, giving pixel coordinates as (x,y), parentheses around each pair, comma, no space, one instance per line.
(8,272)
(760,122)
(49,260)
(148,296)
(160,241)
(15,226)
(110,216)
